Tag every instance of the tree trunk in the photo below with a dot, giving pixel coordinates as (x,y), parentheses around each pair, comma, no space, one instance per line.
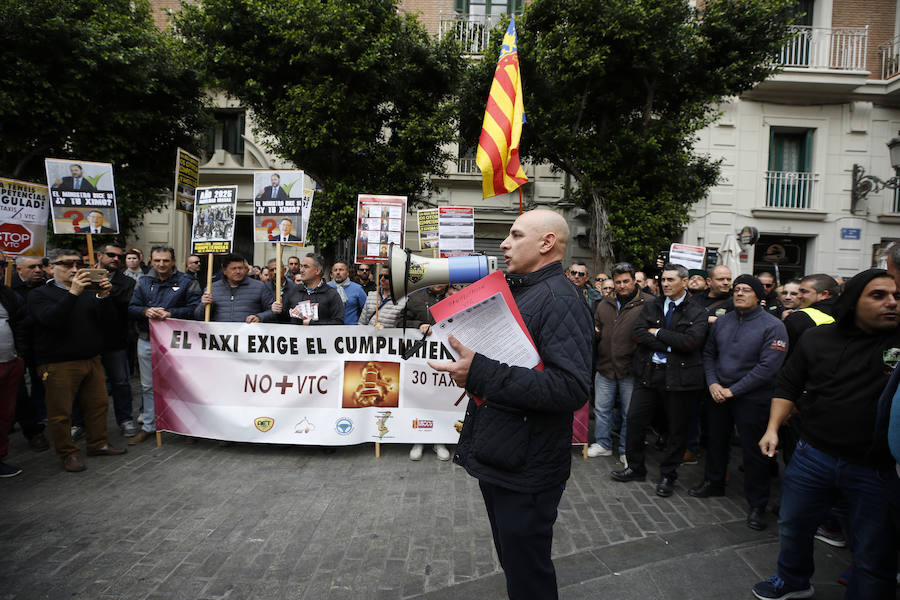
(601,238)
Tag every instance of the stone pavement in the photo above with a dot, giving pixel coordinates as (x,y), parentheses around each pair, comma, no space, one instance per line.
(254,521)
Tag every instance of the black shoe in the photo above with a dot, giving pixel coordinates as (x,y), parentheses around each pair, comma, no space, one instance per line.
(628,474)
(666,486)
(757,518)
(707,489)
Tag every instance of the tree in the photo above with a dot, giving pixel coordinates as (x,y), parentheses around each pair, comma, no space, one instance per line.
(351,91)
(615,92)
(96,80)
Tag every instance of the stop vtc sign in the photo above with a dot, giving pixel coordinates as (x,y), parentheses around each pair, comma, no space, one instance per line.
(14,238)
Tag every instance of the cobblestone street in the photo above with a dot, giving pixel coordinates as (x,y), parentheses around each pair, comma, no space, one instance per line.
(205,521)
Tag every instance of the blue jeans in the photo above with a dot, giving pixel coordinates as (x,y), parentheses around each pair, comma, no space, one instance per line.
(146,368)
(810,486)
(606,391)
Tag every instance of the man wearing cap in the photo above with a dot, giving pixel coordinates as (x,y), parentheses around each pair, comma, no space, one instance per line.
(743,352)
(696,282)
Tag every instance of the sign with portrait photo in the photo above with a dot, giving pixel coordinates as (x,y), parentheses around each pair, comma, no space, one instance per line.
(214,212)
(281,206)
(82,195)
(380,220)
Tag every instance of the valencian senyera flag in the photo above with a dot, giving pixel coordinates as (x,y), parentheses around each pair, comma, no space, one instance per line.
(498,147)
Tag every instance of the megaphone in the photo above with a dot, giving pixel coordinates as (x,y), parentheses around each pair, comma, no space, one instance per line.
(411,272)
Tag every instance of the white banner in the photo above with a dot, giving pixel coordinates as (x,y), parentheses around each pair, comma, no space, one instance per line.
(289,384)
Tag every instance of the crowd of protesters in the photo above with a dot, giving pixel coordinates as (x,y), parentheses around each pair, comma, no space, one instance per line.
(704,363)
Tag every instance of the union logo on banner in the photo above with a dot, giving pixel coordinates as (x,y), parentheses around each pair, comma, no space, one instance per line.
(264,424)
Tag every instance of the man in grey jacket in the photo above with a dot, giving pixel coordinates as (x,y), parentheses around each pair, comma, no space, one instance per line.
(235,297)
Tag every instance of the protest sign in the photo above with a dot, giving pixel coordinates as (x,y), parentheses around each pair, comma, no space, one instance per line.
(428,229)
(691,257)
(214,210)
(82,195)
(456,230)
(281,201)
(283,384)
(380,220)
(187,178)
(23,218)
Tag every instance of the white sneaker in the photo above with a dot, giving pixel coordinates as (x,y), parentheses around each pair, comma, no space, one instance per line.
(595,450)
(415,453)
(442,452)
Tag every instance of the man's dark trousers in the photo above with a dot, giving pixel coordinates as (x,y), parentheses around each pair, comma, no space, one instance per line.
(522,526)
(645,401)
(751,415)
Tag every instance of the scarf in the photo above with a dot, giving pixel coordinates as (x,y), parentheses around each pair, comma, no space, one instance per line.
(339,286)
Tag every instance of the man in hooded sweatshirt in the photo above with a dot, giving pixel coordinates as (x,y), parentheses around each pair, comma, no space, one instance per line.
(843,367)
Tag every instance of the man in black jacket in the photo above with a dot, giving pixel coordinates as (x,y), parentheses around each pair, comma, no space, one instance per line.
(325,305)
(815,301)
(834,378)
(68,340)
(668,369)
(30,409)
(517,435)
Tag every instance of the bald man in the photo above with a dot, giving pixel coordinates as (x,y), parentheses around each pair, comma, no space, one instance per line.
(517,434)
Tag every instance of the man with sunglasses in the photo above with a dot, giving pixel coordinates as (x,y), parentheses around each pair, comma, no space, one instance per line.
(116,330)
(579,275)
(69,314)
(364,276)
(770,302)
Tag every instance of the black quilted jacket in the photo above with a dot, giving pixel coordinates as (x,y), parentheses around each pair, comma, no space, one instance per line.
(520,437)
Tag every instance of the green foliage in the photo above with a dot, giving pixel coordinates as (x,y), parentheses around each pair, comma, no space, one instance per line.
(615,93)
(96,80)
(351,91)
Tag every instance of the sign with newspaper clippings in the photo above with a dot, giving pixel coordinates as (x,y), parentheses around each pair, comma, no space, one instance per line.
(428,228)
(380,220)
(82,196)
(187,178)
(456,230)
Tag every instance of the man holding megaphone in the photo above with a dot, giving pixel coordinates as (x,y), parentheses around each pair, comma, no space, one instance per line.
(517,434)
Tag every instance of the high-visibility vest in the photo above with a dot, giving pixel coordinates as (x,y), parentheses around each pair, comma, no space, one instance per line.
(818,317)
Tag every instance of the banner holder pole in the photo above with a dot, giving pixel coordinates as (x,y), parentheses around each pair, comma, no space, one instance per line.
(520,199)
(209,265)
(278,254)
(584,448)
(90,245)
(377,290)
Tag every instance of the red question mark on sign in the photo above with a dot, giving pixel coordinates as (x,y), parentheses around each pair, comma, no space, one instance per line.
(75,215)
(270,225)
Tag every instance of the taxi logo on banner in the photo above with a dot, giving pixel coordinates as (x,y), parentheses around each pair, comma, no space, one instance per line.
(264,424)
(343,426)
(426,424)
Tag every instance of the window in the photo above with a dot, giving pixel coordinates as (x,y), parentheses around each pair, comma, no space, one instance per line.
(489,7)
(789,180)
(227,132)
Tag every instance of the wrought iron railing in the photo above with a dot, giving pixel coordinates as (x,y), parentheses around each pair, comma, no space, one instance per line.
(838,48)
(473,32)
(789,189)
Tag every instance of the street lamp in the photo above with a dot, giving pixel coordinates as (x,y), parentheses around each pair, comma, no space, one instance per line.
(863,184)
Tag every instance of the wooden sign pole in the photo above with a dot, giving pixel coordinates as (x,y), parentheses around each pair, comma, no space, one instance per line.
(209,267)
(278,251)
(90,243)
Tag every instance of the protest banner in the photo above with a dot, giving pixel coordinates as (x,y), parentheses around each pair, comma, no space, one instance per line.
(279,205)
(214,210)
(24,208)
(282,384)
(428,229)
(380,220)
(456,230)
(82,195)
(187,178)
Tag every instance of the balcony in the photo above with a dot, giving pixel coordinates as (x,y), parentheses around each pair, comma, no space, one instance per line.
(822,64)
(789,195)
(890,207)
(838,49)
(472,32)
(467,166)
(890,59)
